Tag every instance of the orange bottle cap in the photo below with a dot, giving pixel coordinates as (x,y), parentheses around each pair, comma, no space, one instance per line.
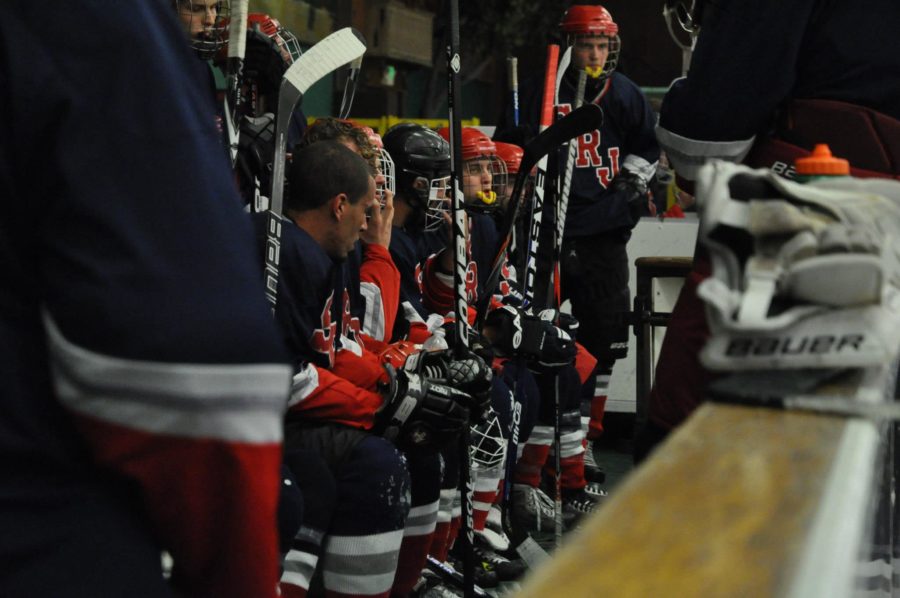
(821,162)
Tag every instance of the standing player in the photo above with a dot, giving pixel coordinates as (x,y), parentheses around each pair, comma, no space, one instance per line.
(144,382)
(613,168)
(826,78)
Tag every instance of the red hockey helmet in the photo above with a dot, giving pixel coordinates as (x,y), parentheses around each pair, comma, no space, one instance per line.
(475,144)
(511,155)
(287,43)
(582,19)
(484,172)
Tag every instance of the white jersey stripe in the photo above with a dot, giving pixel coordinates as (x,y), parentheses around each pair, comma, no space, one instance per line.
(234,402)
(373,321)
(688,155)
(303,384)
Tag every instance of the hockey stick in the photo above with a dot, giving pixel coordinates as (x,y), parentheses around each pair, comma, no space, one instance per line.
(350,88)
(561,71)
(795,390)
(325,57)
(512,64)
(540,183)
(581,121)
(237,48)
(451,576)
(561,208)
(461,262)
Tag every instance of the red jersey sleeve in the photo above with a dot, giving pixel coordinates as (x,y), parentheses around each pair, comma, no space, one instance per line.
(380,286)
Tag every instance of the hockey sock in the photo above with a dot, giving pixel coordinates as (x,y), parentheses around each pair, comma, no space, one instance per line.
(425,476)
(487,485)
(363,544)
(571,461)
(317,484)
(534,455)
(593,424)
(417,538)
(440,540)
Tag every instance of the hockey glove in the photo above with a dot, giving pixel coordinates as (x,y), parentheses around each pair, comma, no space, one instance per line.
(634,191)
(418,414)
(565,322)
(470,375)
(515,332)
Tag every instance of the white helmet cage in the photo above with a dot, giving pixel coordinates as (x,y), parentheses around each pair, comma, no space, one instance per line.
(488,445)
(208,42)
(438,201)
(481,197)
(386,168)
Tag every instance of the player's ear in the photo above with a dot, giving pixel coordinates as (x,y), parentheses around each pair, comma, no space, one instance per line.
(339,205)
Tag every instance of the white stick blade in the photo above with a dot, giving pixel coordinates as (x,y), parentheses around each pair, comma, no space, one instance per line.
(237,30)
(336,50)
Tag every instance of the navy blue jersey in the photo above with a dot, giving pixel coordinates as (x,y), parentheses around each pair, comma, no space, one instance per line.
(626,140)
(752,57)
(134,333)
(408,252)
(314,309)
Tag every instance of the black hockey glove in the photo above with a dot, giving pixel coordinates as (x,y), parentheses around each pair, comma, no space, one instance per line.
(478,345)
(515,332)
(565,322)
(470,375)
(418,414)
(634,190)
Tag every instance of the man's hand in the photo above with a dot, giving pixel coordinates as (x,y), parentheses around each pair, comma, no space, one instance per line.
(634,189)
(378,231)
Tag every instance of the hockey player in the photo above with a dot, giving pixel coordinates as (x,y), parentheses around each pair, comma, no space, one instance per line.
(271,49)
(377,306)
(543,346)
(806,91)
(341,391)
(613,167)
(140,412)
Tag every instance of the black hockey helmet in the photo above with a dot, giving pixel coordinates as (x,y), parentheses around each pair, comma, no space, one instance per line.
(422,166)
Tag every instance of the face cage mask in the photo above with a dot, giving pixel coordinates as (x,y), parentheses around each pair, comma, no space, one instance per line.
(438,203)
(488,446)
(612,59)
(477,198)
(288,45)
(389,181)
(208,43)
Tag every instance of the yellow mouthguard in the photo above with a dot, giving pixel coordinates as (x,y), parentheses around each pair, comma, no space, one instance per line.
(487,197)
(594,72)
